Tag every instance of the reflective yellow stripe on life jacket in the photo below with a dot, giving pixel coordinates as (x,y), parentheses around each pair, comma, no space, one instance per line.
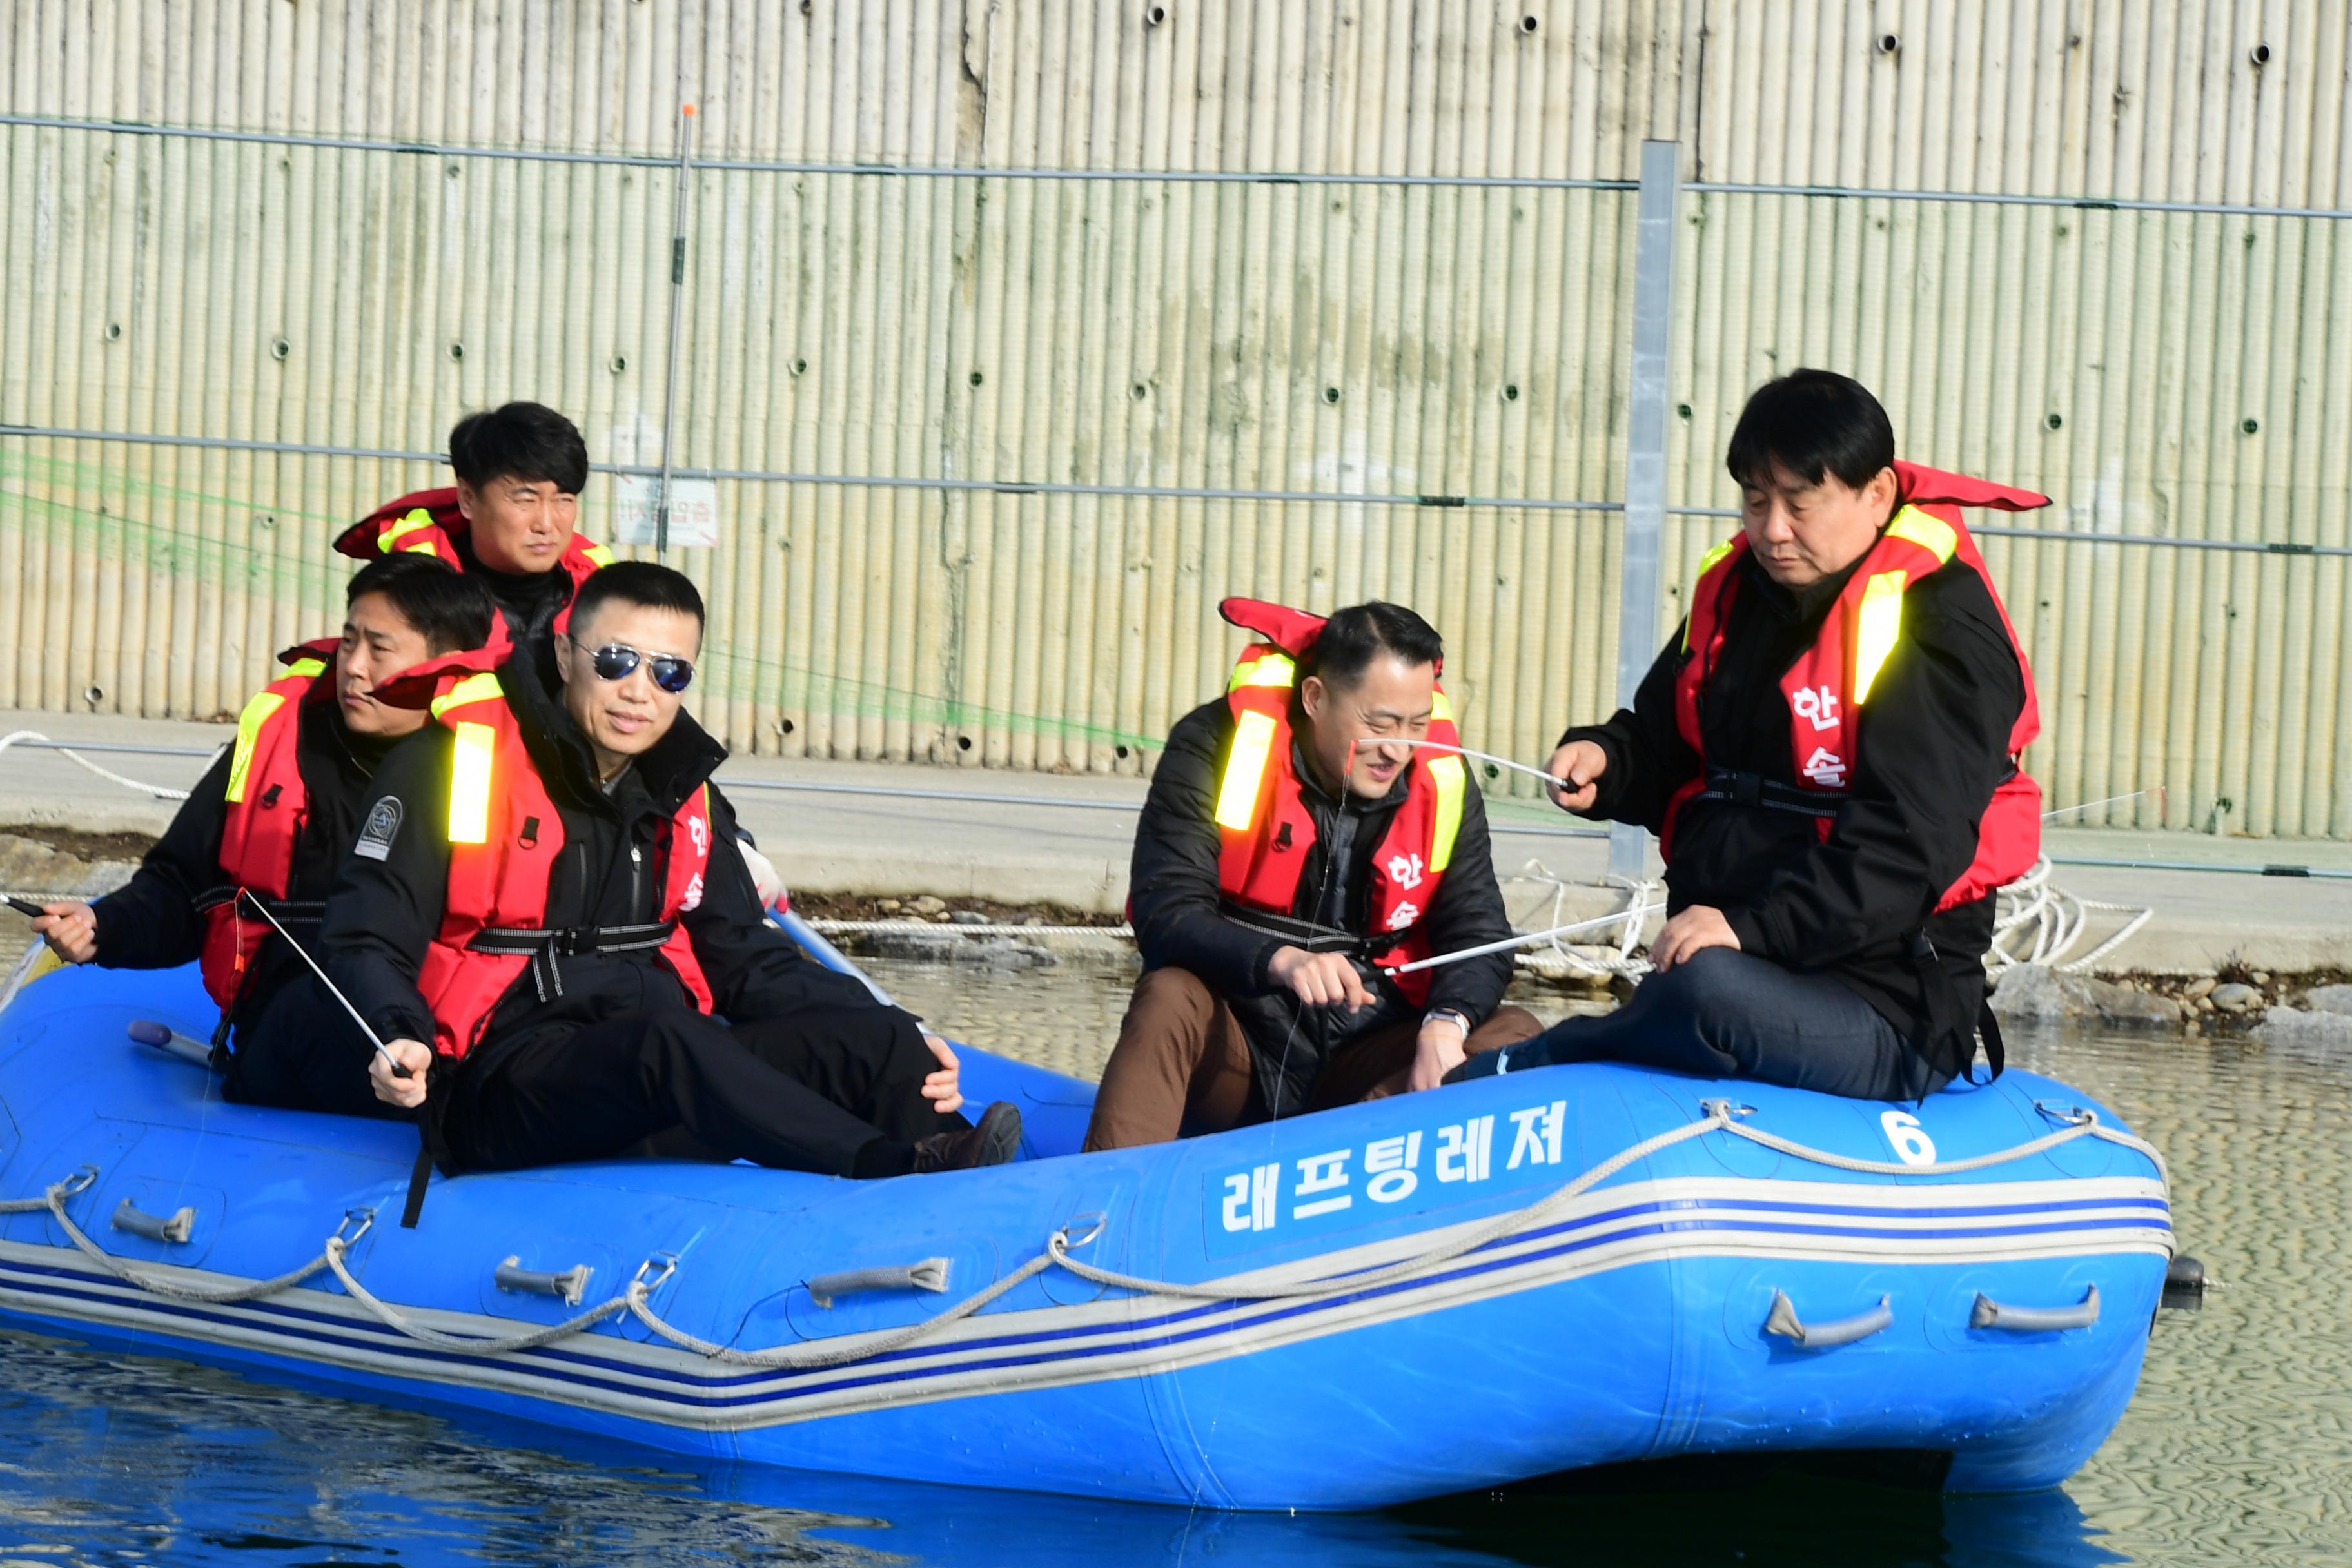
(1928,532)
(1878,627)
(1245,772)
(469,782)
(1707,564)
(470,759)
(1879,618)
(394,532)
(1450,779)
(1274,670)
(473,689)
(256,713)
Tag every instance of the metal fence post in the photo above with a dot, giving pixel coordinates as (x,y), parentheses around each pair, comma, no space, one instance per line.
(676,298)
(1646,452)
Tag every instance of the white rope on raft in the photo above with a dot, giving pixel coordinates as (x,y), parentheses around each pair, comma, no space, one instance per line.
(950,928)
(1720,1116)
(160,792)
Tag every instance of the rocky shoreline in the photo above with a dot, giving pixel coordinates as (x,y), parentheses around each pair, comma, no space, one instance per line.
(2314,1007)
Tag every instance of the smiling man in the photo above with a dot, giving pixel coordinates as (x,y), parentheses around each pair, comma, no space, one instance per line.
(535,920)
(1293,844)
(1828,750)
(273,816)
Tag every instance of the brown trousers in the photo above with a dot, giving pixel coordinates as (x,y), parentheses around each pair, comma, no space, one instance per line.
(1181,1059)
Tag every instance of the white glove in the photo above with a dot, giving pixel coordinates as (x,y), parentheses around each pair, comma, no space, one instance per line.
(764,875)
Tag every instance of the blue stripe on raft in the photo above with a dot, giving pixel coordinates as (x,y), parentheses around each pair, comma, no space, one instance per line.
(1584,1223)
(1580,1224)
(683,1385)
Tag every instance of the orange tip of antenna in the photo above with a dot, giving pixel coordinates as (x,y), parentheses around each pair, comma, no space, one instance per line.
(686,110)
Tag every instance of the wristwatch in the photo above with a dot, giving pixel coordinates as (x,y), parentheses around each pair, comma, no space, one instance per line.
(1450,1016)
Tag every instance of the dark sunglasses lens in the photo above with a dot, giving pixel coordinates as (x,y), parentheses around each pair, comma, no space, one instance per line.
(615,663)
(672,675)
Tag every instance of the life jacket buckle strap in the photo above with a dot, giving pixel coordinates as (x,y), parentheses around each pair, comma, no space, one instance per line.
(1305,935)
(1753,790)
(290,912)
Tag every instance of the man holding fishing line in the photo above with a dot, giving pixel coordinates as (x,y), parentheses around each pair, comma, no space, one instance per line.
(1827,751)
(1302,839)
(541,918)
(259,837)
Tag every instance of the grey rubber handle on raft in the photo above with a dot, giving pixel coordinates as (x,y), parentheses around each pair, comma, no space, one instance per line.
(176,1229)
(569,1284)
(1992,1314)
(930,1274)
(1826,1336)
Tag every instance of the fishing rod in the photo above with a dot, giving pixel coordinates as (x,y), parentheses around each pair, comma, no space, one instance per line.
(1639,911)
(1554,780)
(399,1068)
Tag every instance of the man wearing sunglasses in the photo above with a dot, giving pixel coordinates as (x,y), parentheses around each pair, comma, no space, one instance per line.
(535,891)
(508,522)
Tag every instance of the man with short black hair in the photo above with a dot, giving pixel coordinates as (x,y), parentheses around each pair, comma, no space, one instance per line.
(536,892)
(272,817)
(1296,848)
(509,519)
(1828,750)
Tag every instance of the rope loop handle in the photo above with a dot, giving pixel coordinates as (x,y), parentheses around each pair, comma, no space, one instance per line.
(1081,1230)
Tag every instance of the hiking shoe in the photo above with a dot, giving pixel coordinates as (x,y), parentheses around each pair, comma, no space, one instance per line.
(993,1142)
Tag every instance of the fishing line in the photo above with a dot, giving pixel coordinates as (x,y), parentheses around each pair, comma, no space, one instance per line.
(2156,790)
(1639,911)
(1554,780)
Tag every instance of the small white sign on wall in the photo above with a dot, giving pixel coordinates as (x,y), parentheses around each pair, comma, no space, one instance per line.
(693,511)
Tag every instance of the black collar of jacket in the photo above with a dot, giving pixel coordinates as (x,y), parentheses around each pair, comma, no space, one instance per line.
(679,764)
(535,598)
(1808,603)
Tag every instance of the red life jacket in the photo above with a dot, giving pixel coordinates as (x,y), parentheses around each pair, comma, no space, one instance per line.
(504,835)
(267,806)
(1829,684)
(1266,830)
(429,524)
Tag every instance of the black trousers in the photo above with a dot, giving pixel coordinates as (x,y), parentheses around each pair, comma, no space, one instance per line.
(810,1092)
(1722,1013)
(302,1052)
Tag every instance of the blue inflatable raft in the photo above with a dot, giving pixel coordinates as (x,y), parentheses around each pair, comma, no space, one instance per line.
(1431,1294)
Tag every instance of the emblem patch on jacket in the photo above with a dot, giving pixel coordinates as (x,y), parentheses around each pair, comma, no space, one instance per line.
(383,827)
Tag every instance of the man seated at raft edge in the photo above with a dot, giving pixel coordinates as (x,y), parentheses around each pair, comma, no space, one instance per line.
(510,521)
(535,891)
(1828,753)
(273,814)
(1289,835)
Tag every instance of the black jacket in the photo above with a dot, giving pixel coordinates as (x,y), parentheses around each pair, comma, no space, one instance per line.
(382,914)
(151,922)
(1928,752)
(528,602)
(1180,921)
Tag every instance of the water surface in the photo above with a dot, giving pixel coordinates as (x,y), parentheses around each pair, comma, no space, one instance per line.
(2237,1450)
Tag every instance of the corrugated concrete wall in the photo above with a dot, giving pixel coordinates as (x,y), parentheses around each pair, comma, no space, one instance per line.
(2162,374)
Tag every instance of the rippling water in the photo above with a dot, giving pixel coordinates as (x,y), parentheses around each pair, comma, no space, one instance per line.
(2237,1450)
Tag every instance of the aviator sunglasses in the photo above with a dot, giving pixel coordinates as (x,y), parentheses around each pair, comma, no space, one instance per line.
(618,661)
